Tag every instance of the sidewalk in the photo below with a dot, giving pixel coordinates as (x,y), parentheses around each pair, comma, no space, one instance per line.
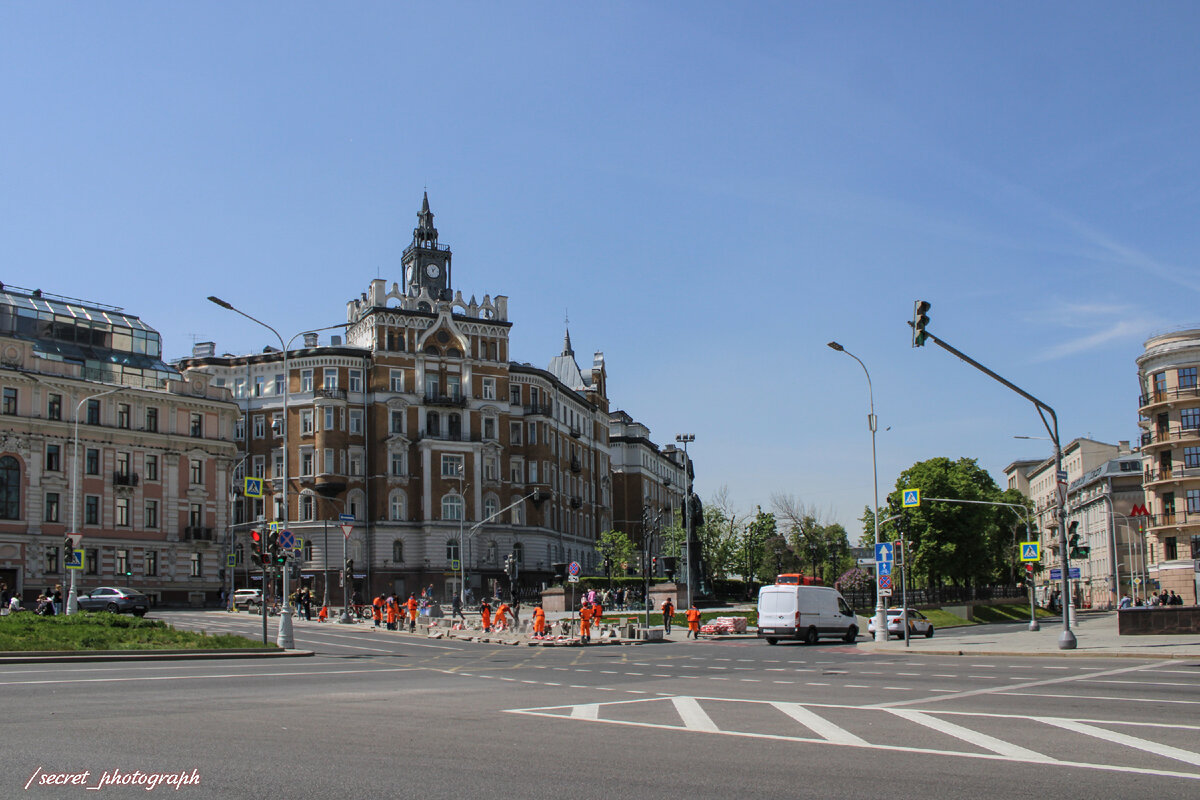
(1095,633)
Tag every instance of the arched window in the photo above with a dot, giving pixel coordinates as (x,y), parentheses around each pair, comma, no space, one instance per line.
(10,488)
(490,506)
(396,507)
(452,549)
(452,507)
(491,553)
(397,552)
(356,504)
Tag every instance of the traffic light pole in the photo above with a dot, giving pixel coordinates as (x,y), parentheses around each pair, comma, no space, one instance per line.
(1066,640)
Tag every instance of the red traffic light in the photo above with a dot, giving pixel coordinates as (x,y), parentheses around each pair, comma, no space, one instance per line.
(1029,567)
(256,537)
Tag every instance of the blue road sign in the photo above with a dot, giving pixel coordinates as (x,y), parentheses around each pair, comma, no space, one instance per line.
(911,498)
(885,582)
(883,551)
(345,518)
(254,487)
(287,540)
(1056,573)
(884,567)
(1030,551)
(573,568)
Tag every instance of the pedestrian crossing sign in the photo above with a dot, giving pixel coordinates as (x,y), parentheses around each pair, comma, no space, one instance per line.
(231,560)
(1031,551)
(73,559)
(912,498)
(254,487)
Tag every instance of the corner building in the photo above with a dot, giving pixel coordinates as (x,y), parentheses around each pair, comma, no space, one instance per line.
(449,456)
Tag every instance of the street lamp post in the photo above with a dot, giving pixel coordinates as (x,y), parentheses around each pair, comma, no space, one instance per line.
(685,439)
(881,634)
(285,639)
(76,477)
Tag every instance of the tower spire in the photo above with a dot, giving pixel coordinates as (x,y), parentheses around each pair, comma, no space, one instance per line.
(425,235)
(567,351)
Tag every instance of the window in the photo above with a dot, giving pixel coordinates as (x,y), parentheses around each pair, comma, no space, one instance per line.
(397,464)
(258,467)
(91,463)
(53,458)
(151,562)
(327,466)
(489,389)
(1193,501)
(354,380)
(514,433)
(152,420)
(452,549)
(452,507)
(196,425)
(433,423)
(454,386)
(277,463)
(306,462)
(396,424)
(93,412)
(396,380)
(519,552)
(51,559)
(396,509)
(277,424)
(123,512)
(452,466)
(91,510)
(454,426)
(10,488)
(54,407)
(514,395)
(306,380)
(533,472)
(1170,548)
(197,471)
(239,387)
(1187,378)
(1189,418)
(397,552)
(52,508)
(356,464)
(260,426)
(91,563)
(329,378)
(151,468)
(328,418)
(490,507)
(195,515)
(151,514)
(306,507)
(489,468)
(239,429)
(516,471)
(306,421)
(356,421)
(532,433)
(197,565)
(9,405)
(122,566)
(123,466)
(432,386)
(123,415)
(1191,456)
(260,385)
(489,428)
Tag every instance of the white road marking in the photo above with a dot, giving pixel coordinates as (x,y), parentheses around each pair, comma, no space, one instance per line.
(694,717)
(818,724)
(972,737)
(1101,697)
(1124,739)
(586,711)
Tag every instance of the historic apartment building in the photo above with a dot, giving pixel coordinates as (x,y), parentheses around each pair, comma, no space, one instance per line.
(649,482)
(149,488)
(448,455)
(1169,413)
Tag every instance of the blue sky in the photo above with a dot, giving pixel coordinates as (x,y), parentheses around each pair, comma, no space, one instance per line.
(712,191)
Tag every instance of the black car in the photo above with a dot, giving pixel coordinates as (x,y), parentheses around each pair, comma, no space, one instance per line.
(116,599)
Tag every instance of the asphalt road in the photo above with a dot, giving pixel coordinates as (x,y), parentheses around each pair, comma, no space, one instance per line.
(380,715)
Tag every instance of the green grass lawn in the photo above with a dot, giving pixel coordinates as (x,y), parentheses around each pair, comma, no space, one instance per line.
(103,631)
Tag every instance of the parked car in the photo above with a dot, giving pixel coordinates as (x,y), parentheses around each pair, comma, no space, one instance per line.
(918,625)
(247,598)
(117,599)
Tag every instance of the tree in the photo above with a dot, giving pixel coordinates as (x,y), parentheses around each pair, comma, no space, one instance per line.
(822,545)
(617,546)
(720,536)
(760,529)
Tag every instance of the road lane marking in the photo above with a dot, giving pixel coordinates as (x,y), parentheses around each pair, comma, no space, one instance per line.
(1101,697)
(818,724)
(976,738)
(693,716)
(1156,748)
(587,711)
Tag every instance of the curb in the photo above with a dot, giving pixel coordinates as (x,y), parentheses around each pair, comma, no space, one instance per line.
(67,656)
(1030,653)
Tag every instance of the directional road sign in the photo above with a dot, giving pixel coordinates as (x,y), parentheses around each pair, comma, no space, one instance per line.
(254,487)
(1031,551)
(345,517)
(883,551)
(1056,573)
(911,498)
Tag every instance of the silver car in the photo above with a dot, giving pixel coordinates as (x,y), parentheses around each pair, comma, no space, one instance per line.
(116,599)
(918,625)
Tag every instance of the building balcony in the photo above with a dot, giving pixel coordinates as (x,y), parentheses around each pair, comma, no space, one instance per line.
(439,399)
(125,479)
(539,409)
(1168,396)
(330,394)
(448,436)
(1171,519)
(1174,474)
(575,432)
(576,466)
(191,534)
(1170,436)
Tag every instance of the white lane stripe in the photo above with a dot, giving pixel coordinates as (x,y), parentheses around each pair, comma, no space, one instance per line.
(969,736)
(588,711)
(819,725)
(694,717)
(1101,697)
(1186,756)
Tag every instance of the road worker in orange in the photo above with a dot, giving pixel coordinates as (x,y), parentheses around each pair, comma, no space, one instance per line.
(585,622)
(539,622)
(391,614)
(377,610)
(597,612)
(412,613)
(668,611)
(693,619)
(323,614)
(502,613)
(485,615)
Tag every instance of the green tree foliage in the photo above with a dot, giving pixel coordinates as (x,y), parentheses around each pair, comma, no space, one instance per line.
(720,540)
(619,547)
(821,546)
(758,532)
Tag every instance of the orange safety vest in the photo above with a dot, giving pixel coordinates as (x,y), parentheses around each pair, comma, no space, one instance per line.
(693,618)
(597,612)
(377,608)
(539,620)
(500,612)
(391,613)
(412,608)
(668,609)
(486,614)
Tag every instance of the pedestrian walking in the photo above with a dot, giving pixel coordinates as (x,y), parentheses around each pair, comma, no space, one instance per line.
(693,620)
(668,611)
(456,609)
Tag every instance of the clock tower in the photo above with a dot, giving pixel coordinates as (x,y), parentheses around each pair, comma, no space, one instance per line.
(427,263)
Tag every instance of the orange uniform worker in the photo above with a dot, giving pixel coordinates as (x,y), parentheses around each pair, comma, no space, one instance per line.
(693,619)
(585,623)
(377,610)
(597,612)
(539,621)
(323,614)
(668,611)
(391,614)
(412,613)
(502,616)
(485,614)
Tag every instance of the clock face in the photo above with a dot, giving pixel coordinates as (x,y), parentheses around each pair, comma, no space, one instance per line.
(409,273)
(432,270)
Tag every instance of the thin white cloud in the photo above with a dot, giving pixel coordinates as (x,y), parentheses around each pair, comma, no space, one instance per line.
(1120,329)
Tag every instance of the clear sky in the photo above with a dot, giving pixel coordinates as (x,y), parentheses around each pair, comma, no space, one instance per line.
(712,191)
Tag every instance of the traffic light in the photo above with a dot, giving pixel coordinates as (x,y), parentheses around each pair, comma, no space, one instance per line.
(275,556)
(256,548)
(1077,549)
(608,567)
(920,320)
(654,565)
(669,567)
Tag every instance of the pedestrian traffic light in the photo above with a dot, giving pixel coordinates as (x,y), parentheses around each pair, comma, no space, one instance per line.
(256,548)
(275,556)
(920,320)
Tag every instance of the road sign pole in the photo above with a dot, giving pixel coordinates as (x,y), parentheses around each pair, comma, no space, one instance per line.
(347,578)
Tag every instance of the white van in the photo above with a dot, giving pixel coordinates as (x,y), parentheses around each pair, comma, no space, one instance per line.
(787,611)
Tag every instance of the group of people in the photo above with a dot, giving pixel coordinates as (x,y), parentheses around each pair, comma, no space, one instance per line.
(692,615)
(1166,598)
(49,602)
(392,612)
(503,612)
